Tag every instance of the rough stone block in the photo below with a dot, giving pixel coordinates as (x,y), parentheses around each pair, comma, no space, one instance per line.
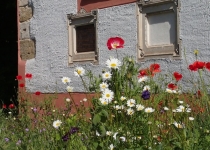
(27,49)
(25,13)
(24,31)
(23,2)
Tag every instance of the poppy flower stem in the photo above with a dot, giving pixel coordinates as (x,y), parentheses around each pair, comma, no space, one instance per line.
(117,53)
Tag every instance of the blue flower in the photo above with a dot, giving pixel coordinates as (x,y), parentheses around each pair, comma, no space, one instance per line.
(145,95)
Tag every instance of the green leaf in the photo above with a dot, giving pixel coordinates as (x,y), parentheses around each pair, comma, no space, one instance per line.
(104,113)
(102,130)
(57,137)
(96,119)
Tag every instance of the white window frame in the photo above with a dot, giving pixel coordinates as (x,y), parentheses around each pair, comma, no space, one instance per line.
(81,19)
(158,51)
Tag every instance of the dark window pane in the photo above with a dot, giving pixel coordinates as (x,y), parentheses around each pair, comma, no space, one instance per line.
(85,38)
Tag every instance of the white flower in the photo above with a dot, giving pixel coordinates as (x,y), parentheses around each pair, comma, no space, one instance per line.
(149,110)
(178,125)
(57,124)
(79,71)
(84,99)
(143,79)
(122,98)
(113,63)
(117,107)
(68,100)
(131,103)
(66,80)
(139,107)
(122,138)
(111,147)
(109,133)
(181,102)
(69,88)
(97,134)
(147,87)
(191,118)
(108,95)
(104,101)
(103,86)
(106,75)
(115,135)
(170,91)
(165,108)
(130,111)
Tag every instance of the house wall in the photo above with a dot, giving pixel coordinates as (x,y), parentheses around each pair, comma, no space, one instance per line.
(48,28)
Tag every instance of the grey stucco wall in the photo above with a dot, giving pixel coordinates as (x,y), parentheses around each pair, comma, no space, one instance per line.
(49,28)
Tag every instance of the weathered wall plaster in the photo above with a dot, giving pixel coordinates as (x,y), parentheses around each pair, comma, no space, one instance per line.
(48,27)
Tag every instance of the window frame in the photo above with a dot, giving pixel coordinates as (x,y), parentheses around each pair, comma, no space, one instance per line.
(157,51)
(81,19)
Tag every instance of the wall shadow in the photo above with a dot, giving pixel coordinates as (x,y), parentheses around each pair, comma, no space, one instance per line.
(9,51)
(85,2)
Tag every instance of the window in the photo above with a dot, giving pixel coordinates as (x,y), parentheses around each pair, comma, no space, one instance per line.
(158,32)
(83,37)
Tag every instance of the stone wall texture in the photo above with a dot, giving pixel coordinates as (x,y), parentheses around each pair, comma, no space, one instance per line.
(49,28)
(27,46)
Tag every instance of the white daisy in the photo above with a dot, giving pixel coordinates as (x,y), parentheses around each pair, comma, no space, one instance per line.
(103,101)
(131,103)
(69,88)
(103,86)
(117,107)
(79,71)
(113,63)
(108,95)
(109,133)
(139,107)
(143,79)
(191,118)
(130,111)
(178,125)
(57,124)
(165,108)
(111,147)
(115,135)
(106,75)
(122,138)
(122,98)
(68,100)
(66,80)
(181,102)
(170,91)
(84,99)
(149,110)
(147,87)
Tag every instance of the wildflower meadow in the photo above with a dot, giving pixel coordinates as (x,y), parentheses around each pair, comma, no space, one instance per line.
(127,107)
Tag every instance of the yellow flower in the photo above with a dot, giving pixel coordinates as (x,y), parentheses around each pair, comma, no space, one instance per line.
(196,52)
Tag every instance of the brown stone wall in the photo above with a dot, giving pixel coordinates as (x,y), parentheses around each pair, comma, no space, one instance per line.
(27,45)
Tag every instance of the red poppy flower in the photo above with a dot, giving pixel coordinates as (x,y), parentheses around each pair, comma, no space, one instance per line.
(4,106)
(21,85)
(208,66)
(143,72)
(192,67)
(28,75)
(154,68)
(11,106)
(199,94)
(199,64)
(19,77)
(172,86)
(37,93)
(115,42)
(177,76)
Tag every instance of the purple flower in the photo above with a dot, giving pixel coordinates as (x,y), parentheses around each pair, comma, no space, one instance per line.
(145,95)
(18,142)
(67,135)
(26,129)
(6,139)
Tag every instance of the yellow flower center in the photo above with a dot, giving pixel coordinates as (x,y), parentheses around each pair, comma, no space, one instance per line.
(79,71)
(103,86)
(107,75)
(113,65)
(107,95)
(114,45)
(66,80)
